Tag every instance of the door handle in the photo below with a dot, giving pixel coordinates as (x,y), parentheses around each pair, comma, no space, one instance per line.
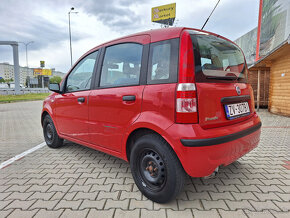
(129,98)
(81,99)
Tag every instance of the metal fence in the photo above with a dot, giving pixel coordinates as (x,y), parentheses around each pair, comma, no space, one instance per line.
(6,91)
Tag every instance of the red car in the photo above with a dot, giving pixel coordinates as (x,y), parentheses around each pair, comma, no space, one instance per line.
(171,101)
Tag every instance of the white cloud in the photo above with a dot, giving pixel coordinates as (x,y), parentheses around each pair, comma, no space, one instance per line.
(98,21)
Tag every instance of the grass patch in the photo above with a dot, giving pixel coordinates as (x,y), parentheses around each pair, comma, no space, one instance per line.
(25,97)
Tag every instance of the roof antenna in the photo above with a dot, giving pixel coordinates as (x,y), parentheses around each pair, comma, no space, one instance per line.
(210,14)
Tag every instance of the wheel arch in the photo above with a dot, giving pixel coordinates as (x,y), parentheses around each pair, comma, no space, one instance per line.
(44,113)
(139,132)
(133,137)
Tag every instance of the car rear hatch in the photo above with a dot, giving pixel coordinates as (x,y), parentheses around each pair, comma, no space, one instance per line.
(223,95)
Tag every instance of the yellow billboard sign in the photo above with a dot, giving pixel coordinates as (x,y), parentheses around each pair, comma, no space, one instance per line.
(42,72)
(164,14)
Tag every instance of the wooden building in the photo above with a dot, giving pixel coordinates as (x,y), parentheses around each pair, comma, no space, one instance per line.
(270,79)
(264,84)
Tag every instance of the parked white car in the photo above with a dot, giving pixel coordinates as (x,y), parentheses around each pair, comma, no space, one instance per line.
(12,86)
(4,86)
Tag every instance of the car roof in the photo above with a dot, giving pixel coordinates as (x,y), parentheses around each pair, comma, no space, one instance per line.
(155,36)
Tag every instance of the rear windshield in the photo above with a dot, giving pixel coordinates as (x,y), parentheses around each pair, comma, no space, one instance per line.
(217,60)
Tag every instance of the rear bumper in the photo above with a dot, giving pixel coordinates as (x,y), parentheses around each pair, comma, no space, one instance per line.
(221,139)
(205,150)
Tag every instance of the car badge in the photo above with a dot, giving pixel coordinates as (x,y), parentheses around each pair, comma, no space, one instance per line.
(238,90)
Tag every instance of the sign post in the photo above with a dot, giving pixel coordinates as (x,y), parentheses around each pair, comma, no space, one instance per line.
(42,63)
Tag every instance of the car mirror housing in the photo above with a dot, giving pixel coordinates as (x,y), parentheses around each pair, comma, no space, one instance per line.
(55,87)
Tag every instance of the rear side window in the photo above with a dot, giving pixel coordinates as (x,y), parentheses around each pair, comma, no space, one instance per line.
(163,62)
(217,59)
(121,65)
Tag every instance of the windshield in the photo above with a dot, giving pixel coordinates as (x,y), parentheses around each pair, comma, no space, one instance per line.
(217,59)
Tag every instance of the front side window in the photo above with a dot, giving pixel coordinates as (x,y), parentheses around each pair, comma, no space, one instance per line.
(121,65)
(80,77)
(217,59)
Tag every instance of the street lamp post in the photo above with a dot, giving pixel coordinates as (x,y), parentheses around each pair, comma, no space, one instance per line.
(71,11)
(26,44)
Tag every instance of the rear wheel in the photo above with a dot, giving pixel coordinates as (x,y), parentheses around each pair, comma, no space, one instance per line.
(50,135)
(156,169)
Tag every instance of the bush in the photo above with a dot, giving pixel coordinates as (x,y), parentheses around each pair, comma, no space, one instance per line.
(55,79)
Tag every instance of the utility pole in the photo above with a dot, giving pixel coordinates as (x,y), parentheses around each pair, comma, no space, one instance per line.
(71,11)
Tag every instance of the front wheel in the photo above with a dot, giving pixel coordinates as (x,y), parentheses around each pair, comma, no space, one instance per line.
(156,169)
(50,135)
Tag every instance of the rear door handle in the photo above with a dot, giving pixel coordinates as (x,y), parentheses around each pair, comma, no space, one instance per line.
(81,99)
(129,98)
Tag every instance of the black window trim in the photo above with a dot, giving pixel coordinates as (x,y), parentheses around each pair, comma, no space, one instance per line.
(72,69)
(143,69)
(174,58)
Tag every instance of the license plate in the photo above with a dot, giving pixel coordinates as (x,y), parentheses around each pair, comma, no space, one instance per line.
(237,110)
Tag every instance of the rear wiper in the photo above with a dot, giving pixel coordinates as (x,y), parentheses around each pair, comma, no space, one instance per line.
(222,77)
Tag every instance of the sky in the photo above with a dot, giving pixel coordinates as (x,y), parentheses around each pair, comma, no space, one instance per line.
(45,23)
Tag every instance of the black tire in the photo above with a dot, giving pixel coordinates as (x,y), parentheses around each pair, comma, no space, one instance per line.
(50,135)
(156,169)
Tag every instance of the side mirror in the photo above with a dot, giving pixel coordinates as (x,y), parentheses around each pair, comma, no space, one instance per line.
(54,87)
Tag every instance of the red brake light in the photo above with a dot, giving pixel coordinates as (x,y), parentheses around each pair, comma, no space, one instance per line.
(186,103)
(186,59)
(186,100)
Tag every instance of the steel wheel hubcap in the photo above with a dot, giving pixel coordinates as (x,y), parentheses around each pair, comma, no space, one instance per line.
(49,132)
(152,169)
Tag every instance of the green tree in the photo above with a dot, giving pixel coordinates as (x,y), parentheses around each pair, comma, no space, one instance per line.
(55,79)
(2,80)
(9,80)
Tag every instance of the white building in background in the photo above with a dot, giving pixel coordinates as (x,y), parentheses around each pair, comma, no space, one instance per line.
(7,72)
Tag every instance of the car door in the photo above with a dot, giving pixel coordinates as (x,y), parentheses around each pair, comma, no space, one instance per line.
(116,103)
(71,107)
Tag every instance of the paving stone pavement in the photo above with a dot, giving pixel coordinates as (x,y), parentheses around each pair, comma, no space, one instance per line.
(20,127)
(75,181)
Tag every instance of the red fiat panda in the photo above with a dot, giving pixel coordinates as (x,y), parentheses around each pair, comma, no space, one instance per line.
(172,102)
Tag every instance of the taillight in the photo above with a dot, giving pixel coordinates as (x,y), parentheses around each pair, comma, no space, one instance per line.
(186,103)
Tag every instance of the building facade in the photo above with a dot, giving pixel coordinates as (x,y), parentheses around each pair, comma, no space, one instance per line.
(267,50)
(274,30)
(7,72)
(271,75)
